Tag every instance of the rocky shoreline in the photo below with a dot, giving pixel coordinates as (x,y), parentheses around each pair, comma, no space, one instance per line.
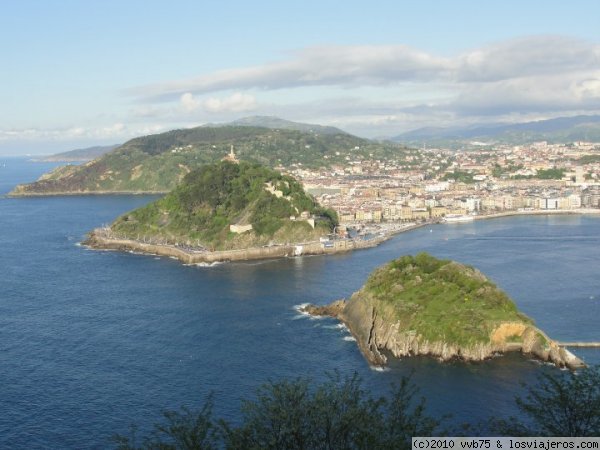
(375,336)
(98,239)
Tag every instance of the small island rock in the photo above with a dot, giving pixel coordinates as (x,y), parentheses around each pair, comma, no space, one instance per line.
(421,305)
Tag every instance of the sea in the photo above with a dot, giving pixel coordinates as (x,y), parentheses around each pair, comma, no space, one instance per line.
(92,342)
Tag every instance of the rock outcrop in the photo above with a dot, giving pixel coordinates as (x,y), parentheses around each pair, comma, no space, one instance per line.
(378,324)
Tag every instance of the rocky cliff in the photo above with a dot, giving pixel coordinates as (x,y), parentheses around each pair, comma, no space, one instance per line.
(425,306)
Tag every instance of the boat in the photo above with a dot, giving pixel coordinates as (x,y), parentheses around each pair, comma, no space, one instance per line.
(455,218)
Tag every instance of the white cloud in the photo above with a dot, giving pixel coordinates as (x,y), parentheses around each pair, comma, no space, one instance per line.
(393,64)
(116,131)
(369,90)
(315,66)
(587,89)
(188,102)
(530,74)
(532,56)
(237,102)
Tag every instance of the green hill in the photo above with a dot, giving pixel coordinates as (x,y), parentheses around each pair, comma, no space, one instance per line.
(421,305)
(201,209)
(282,124)
(80,154)
(157,163)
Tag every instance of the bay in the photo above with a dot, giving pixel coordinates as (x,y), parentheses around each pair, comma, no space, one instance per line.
(92,341)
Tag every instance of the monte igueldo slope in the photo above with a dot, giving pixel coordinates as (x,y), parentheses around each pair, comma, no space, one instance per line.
(157,163)
(222,206)
(420,305)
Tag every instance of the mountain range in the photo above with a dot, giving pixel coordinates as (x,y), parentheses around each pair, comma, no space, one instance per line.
(557,130)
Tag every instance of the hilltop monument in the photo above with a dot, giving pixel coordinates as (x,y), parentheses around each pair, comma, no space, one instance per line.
(231,156)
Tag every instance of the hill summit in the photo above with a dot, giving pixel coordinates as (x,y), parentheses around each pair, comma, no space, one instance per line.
(157,163)
(225,206)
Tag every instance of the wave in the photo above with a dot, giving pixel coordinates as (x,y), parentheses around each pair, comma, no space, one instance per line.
(205,264)
(300,307)
(379,369)
(350,338)
(304,315)
(301,313)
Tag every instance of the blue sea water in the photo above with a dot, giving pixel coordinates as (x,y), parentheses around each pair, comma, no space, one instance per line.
(93,341)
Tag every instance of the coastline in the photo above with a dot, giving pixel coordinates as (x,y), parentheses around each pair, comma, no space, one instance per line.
(15,194)
(541,212)
(375,337)
(99,240)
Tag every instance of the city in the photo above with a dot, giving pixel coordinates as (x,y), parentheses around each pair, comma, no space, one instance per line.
(441,184)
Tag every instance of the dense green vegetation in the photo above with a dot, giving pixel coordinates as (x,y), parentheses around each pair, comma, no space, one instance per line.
(543,174)
(295,415)
(559,405)
(340,414)
(442,300)
(498,170)
(457,175)
(209,199)
(550,174)
(157,163)
(589,159)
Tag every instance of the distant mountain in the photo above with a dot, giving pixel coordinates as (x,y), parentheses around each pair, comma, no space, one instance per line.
(81,154)
(157,163)
(559,130)
(281,124)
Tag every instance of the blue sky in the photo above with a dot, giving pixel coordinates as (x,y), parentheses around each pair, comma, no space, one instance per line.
(79,73)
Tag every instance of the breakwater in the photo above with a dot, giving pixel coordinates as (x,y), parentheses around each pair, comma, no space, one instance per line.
(101,239)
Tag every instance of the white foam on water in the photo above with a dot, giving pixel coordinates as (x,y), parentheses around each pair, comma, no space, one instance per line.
(300,307)
(343,327)
(204,264)
(350,338)
(301,313)
(379,369)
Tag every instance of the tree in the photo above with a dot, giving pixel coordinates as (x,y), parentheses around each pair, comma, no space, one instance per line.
(562,404)
(336,415)
(406,418)
(297,415)
(183,430)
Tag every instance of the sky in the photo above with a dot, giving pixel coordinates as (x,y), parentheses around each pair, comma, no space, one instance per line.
(82,73)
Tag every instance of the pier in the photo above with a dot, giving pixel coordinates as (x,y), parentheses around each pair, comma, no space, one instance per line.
(580,344)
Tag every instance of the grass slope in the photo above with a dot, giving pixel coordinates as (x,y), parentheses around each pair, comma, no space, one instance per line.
(441,300)
(209,199)
(159,162)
